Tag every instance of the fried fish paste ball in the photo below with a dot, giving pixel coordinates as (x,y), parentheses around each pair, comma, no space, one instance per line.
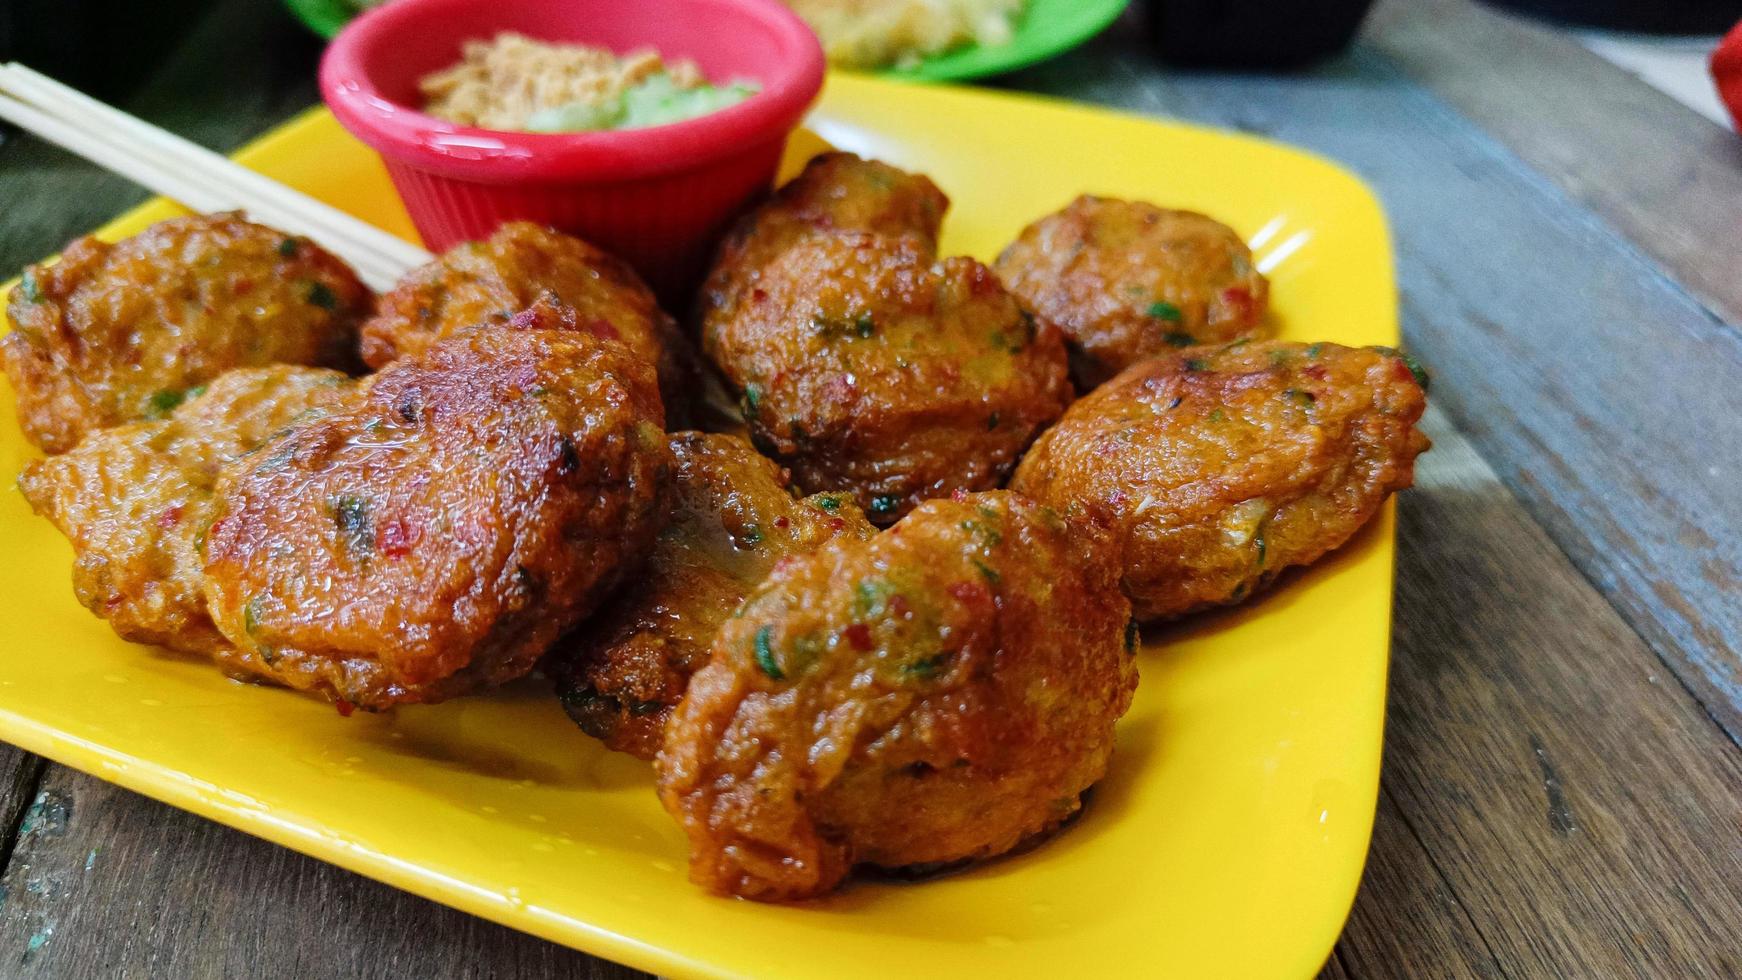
(115,333)
(835,192)
(869,367)
(491,280)
(135,499)
(941,692)
(437,535)
(1127,280)
(628,666)
(1217,468)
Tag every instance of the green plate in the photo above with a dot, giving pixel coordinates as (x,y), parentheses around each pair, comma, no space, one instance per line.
(324,17)
(1049,28)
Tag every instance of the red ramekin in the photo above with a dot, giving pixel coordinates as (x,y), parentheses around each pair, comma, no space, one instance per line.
(659,197)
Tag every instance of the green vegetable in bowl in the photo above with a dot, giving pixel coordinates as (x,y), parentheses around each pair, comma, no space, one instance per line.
(654,101)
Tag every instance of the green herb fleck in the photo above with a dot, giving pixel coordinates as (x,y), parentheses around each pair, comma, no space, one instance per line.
(1279,357)
(29,287)
(1415,367)
(1262,546)
(288,248)
(166,401)
(765,654)
(987,571)
(925,668)
(1313,351)
(321,296)
(1131,637)
(829,502)
(752,399)
(992,422)
(752,536)
(885,505)
(866,325)
(351,515)
(869,598)
(251,616)
(1176,339)
(1197,364)
(1217,415)
(1163,310)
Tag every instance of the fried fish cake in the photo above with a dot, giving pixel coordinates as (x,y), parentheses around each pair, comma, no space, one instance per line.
(492,280)
(439,533)
(1127,280)
(1218,467)
(135,499)
(626,668)
(116,333)
(867,366)
(835,192)
(941,692)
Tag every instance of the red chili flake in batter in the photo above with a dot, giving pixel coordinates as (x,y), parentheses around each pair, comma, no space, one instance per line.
(859,635)
(603,328)
(170,517)
(345,707)
(1238,297)
(396,538)
(781,522)
(959,494)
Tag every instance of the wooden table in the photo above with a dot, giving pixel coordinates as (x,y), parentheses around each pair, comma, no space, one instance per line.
(1562,788)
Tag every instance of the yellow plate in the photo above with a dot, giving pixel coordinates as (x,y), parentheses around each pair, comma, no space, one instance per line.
(1227,841)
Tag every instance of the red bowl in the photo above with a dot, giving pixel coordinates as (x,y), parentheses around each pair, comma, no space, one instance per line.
(660,197)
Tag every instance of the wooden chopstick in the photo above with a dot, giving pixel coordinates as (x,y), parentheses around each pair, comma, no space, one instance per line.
(193,175)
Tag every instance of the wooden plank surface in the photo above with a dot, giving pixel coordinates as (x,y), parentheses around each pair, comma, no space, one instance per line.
(1668,179)
(105,884)
(1557,799)
(1576,804)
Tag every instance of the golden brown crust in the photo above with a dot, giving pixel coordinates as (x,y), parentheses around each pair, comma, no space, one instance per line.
(135,500)
(489,281)
(115,333)
(1218,467)
(624,670)
(941,692)
(866,366)
(438,534)
(835,192)
(1126,280)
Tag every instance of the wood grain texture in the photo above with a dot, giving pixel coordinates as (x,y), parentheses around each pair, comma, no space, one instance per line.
(1605,394)
(104,883)
(1670,180)
(1579,811)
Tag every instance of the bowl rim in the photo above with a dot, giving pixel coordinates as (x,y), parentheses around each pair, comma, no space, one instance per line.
(406,135)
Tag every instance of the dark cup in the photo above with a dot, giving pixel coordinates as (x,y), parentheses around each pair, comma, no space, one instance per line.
(1647,16)
(1253,33)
